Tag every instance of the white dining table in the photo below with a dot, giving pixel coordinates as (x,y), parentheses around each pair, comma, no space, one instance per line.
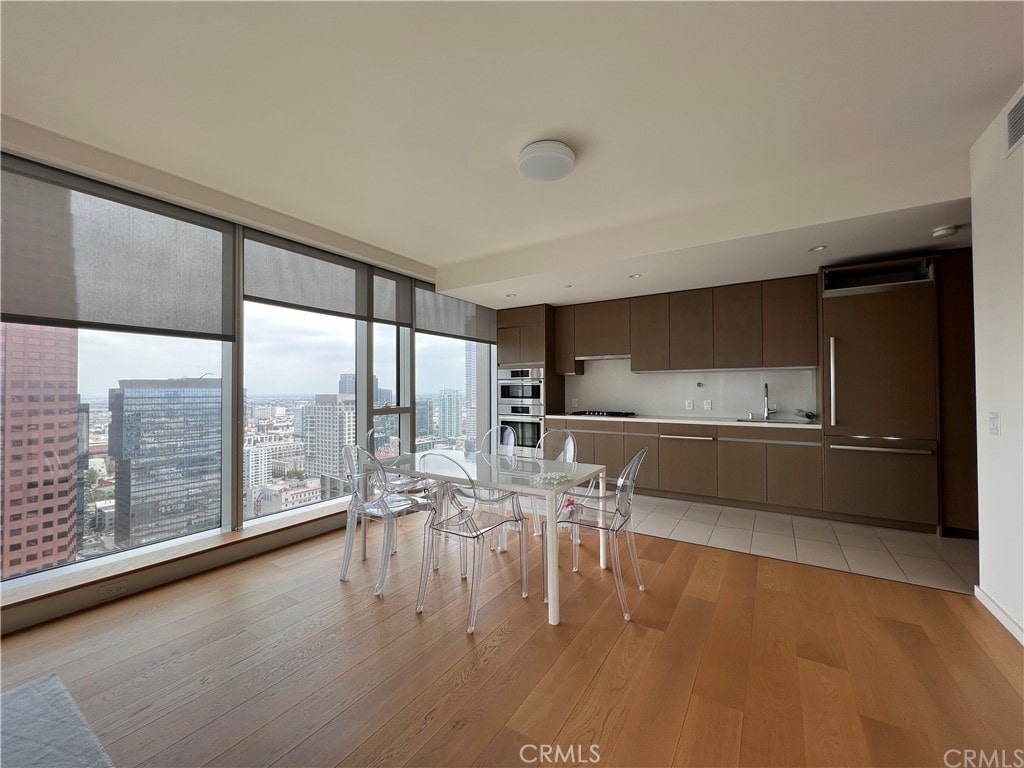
(540,478)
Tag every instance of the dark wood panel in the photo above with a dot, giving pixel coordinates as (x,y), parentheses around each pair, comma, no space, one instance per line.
(691,330)
(509,345)
(795,476)
(687,466)
(742,471)
(789,313)
(957,397)
(584,446)
(647,477)
(531,344)
(565,342)
(608,451)
(737,312)
(602,328)
(696,430)
(649,333)
(515,317)
(787,434)
(552,423)
(901,487)
(593,425)
(643,427)
(886,363)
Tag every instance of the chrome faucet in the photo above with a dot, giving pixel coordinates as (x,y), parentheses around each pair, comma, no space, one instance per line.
(767,411)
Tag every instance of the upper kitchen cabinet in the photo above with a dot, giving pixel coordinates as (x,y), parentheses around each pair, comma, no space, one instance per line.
(789,315)
(565,342)
(602,329)
(691,330)
(737,326)
(521,336)
(649,333)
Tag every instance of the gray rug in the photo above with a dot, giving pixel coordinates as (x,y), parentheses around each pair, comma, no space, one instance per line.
(42,727)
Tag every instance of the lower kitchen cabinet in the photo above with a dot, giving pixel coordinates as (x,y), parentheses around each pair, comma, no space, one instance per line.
(742,470)
(608,451)
(647,477)
(794,475)
(688,459)
(870,479)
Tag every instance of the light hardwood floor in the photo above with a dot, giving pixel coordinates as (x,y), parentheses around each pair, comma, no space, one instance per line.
(731,659)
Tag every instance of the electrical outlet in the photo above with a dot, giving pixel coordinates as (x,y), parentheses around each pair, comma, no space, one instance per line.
(707,405)
(993,423)
(689,405)
(575,403)
(113,589)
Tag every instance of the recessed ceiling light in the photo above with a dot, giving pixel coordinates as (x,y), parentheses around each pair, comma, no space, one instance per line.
(546,160)
(510,295)
(568,285)
(944,231)
(817,248)
(635,274)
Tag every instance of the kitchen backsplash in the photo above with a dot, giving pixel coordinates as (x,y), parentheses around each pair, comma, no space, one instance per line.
(609,385)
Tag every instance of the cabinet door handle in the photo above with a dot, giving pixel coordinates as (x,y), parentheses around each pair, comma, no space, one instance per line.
(832,378)
(868,449)
(685,437)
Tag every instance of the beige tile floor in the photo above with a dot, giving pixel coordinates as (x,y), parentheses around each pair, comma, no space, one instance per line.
(917,558)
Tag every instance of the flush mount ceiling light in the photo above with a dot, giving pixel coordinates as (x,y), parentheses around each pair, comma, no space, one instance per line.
(817,248)
(634,275)
(510,295)
(944,231)
(546,160)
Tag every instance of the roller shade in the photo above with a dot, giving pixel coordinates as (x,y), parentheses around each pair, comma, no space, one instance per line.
(80,252)
(437,313)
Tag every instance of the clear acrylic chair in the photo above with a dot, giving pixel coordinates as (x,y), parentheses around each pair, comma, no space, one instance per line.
(399,483)
(554,445)
(374,498)
(467,514)
(499,441)
(583,510)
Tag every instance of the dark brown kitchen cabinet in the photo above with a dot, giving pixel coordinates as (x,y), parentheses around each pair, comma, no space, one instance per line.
(691,330)
(881,363)
(794,475)
(602,328)
(649,333)
(584,446)
(647,477)
(890,480)
(789,315)
(742,470)
(688,459)
(609,452)
(737,326)
(565,342)
(515,317)
(521,346)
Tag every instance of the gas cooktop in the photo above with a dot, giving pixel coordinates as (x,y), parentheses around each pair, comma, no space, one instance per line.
(614,414)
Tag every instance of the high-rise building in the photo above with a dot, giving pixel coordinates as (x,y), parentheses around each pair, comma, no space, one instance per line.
(424,417)
(39,396)
(450,406)
(470,404)
(328,425)
(165,436)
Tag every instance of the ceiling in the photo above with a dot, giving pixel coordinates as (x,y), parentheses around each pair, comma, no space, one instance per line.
(715,142)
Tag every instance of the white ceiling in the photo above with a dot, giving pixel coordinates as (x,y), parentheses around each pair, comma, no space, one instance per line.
(715,142)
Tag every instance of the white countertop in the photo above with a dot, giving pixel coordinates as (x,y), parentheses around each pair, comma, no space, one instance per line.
(719,421)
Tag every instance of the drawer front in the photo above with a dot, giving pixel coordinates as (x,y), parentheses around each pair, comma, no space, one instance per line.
(898,484)
(688,430)
(688,465)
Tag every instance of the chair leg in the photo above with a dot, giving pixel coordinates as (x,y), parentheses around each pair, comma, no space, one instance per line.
(429,551)
(435,550)
(478,568)
(350,538)
(385,555)
(463,556)
(524,554)
(574,534)
(617,572)
(632,556)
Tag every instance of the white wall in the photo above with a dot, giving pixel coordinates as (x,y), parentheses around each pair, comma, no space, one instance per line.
(997,206)
(608,385)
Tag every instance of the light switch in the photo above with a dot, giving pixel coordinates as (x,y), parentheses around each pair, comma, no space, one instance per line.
(707,405)
(689,405)
(575,404)
(993,423)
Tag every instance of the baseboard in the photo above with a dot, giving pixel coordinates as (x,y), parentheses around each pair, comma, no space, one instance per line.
(1003,617)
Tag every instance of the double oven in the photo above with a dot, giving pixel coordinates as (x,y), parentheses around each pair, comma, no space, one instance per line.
(521,405)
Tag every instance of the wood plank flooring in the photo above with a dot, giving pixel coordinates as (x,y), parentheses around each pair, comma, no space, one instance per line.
(731,659)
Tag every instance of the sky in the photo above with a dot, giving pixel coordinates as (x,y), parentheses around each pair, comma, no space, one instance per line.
(287,352)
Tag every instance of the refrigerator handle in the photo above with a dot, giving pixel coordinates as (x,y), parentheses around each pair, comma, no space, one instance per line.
(832,378)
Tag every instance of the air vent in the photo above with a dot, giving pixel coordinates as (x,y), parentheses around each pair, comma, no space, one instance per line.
(1015,125)
(872,278)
